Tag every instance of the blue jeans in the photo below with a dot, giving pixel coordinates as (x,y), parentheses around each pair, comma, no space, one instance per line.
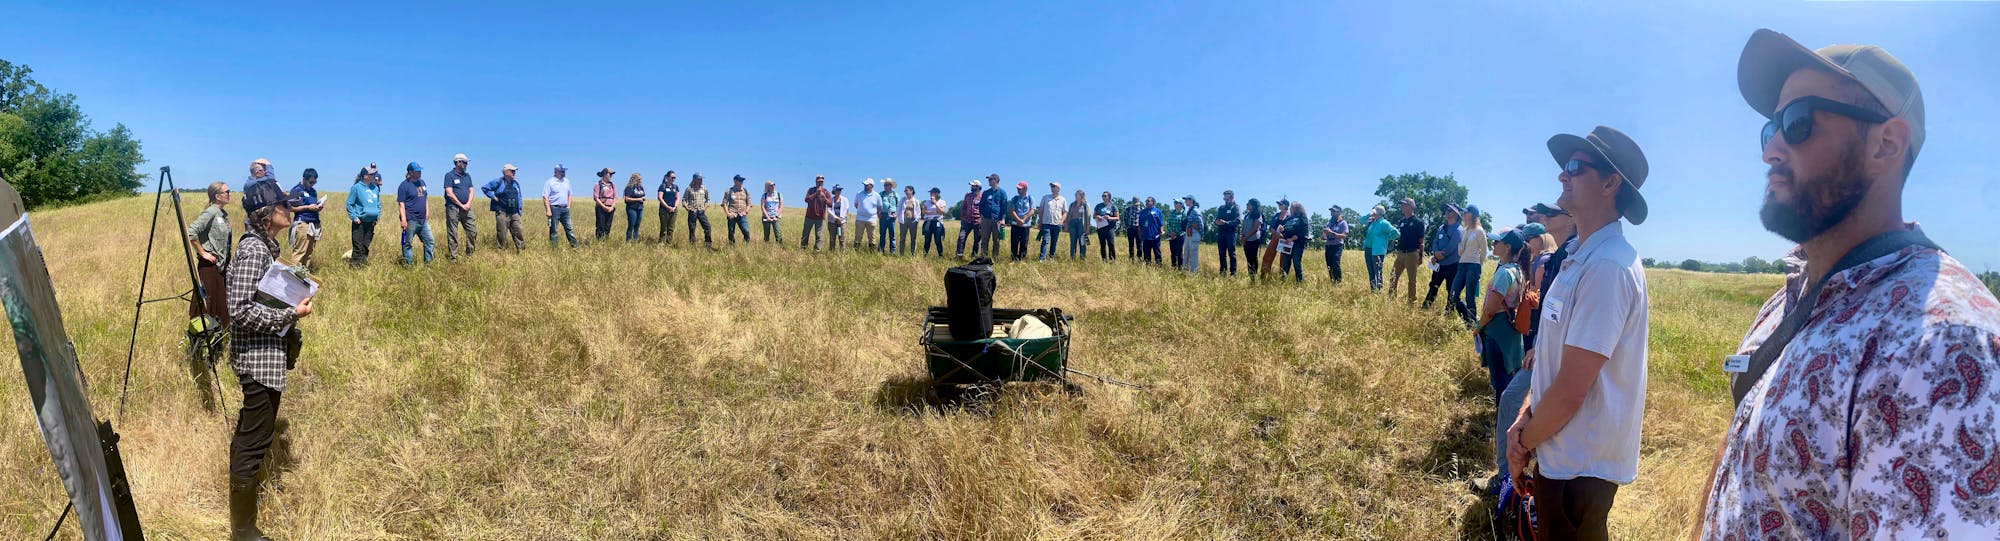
(632,215)
(1374,271)
(739,223)
(1293,263)
(1077,237)
(422,230)
(1509,408)
(934,233)
(1464,292)
(1050,235)
(886,234)
(559,214)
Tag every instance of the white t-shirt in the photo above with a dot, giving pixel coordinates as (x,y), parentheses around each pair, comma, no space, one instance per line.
(1598,304)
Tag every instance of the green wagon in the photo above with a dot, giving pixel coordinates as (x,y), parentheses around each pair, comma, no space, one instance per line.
(993,361)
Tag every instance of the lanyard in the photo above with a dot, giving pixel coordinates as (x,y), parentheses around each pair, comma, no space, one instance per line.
(1774,345)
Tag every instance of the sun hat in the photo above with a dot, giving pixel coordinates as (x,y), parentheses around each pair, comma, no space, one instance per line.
(1614,149)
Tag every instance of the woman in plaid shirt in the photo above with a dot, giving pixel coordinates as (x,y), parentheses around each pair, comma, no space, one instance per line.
(256,352)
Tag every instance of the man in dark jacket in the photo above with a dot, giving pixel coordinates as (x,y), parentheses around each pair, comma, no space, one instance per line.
(504,194)
(1227,218)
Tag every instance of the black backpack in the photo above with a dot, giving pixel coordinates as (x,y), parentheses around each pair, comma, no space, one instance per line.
(968,300)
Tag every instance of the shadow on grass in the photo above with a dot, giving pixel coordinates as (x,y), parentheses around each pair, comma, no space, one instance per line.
(1465,451)
(920,395)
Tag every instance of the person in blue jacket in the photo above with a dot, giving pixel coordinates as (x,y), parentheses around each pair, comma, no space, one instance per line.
(1151,224)
(505,196)
(364,208)
(992,217)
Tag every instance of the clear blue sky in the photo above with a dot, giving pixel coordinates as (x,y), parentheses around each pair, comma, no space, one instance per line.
(1315,100)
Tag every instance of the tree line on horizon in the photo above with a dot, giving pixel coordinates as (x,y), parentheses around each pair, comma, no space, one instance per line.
(50,153)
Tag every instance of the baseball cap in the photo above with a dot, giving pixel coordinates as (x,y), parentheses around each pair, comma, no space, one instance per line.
(836,187)
(1407,201)
(1534,230)
(1616,150)
(509,167)
(413,167)
(867,182)
(258,195)
(935,190)
(605,171)
(1472,209)
(1770,57)
(1512,238)
(737,178)
(995,176)
(1056,184)
(974,184)
(1546,209)
(559,167)
(1022,185)
(460,157)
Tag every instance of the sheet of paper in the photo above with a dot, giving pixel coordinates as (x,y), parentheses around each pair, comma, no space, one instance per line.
(282,284)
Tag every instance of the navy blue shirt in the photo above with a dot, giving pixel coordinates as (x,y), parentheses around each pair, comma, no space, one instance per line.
(1227,212)
(670,193)
(303,196)
(415,199)
(459,184)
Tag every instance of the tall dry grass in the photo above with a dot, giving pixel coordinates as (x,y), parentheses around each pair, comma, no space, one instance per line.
(653,392)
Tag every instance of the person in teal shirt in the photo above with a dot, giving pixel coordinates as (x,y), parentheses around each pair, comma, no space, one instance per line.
(1376,242)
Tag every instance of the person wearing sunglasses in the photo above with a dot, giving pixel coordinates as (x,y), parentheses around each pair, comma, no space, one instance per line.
(1865,386)
(1575,439)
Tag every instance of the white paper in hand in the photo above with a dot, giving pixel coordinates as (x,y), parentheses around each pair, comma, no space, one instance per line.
(284,286)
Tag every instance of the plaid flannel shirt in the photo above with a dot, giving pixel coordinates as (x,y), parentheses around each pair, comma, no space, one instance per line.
(256,350)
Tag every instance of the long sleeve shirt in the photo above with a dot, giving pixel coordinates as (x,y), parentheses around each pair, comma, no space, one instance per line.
(993,204)
(1150,221)
(817,199)
(364,202)
(211,229)
(505,195)
(890,206)
(695,199)
(256,350)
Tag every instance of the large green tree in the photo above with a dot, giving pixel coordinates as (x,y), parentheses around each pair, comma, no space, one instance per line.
(48,150)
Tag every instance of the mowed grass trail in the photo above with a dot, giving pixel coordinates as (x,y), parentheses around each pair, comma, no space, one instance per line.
(667,392)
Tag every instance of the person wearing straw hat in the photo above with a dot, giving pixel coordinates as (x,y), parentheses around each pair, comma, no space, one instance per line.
(1581,421)
(695,200)
(504,199)
(969,223)
(458,208)
(555,205)
(635,205)
(1865,385)
(605,197)
(669,195)
(736,210)
(771,206)
(817,198)
(258,351)
(413,211)
(1335,234)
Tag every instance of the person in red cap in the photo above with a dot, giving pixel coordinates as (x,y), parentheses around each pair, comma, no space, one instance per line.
(1866,386)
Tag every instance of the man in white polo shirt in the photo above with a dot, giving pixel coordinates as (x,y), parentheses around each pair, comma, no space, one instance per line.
(1580,424)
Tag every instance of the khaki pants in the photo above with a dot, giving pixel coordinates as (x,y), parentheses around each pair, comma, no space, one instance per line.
(864,236)
(508,226)
(305,236)
(1407,264)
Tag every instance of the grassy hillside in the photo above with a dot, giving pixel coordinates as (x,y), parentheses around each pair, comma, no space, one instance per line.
(641,391)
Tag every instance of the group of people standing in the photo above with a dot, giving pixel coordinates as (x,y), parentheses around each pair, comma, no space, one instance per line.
(1865,388)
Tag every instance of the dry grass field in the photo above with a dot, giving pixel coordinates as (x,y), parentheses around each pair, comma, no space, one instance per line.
(666,392)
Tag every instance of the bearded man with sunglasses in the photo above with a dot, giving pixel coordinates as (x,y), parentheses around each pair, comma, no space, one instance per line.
(1866,387)
(1580,424)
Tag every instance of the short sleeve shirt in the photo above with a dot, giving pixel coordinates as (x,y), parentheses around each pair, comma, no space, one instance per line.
(415,199)
(638,191)
(1598,304)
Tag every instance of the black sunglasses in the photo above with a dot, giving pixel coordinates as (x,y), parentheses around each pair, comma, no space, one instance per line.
(1795,119)
(1575,167)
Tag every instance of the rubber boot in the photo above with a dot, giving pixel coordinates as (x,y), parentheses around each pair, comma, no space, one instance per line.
(243,511)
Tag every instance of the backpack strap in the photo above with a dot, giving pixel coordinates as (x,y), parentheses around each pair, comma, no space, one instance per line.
(1774,345)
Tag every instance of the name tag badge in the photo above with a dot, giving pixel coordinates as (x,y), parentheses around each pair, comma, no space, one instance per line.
(1736,364)
(1552,309)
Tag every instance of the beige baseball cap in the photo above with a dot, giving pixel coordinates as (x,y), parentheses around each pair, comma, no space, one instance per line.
(460,158)
(509,167)
(1770,58)
(266,162)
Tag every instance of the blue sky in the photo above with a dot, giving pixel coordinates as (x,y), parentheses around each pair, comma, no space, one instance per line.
(1315,100)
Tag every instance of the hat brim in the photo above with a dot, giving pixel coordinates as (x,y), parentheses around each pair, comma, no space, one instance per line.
(1768,59)
(1630,202)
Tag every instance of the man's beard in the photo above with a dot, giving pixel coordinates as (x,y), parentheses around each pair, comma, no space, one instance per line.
(1804,218)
